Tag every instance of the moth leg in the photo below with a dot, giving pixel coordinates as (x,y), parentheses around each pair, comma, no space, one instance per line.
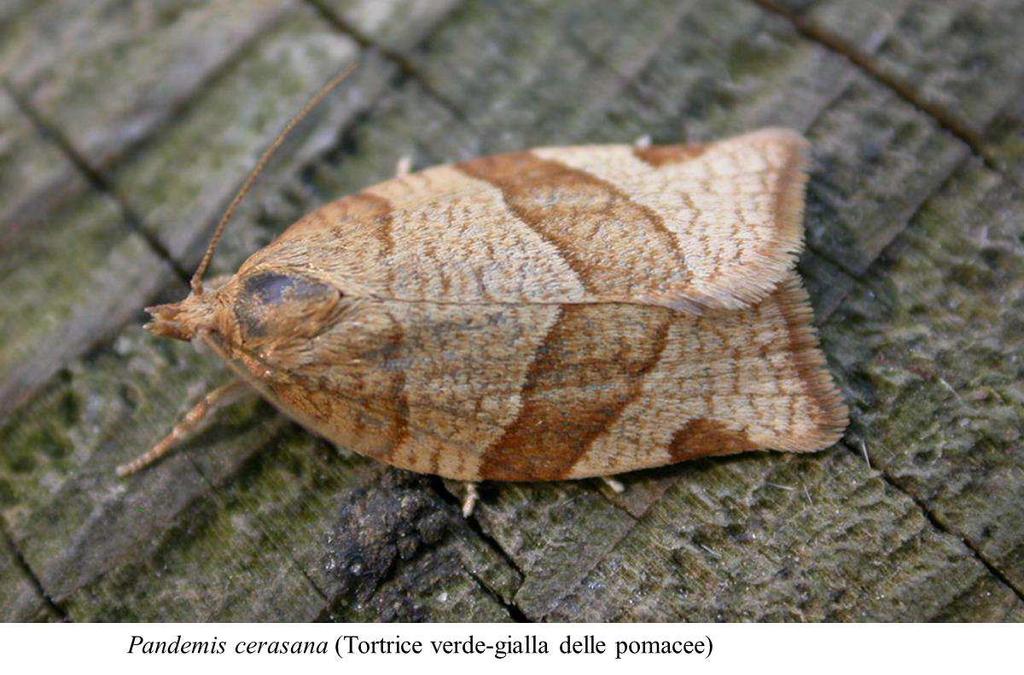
(616,486)
(642,142)
(470,500)
(404,166)
(220,397)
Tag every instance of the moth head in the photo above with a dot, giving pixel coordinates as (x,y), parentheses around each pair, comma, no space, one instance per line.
(182,320)
(256,310)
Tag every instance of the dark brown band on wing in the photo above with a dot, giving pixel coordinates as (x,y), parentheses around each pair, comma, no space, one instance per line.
(660,155)
(343,214)
(706,438)
(608,240)
(577,386)
(370,414)
(399,427)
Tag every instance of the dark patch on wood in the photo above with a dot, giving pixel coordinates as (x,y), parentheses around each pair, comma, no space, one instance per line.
(393,520)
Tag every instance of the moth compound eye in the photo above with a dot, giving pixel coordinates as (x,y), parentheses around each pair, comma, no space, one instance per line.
(273,304)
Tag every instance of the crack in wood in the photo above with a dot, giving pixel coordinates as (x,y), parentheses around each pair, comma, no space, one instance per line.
(437,483)
(936,521)
(514,612)
(628,81)
(94,177)
(402,62)
(29,573)
(836,44)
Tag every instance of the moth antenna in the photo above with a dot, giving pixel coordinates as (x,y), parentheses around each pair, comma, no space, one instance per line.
(261,164)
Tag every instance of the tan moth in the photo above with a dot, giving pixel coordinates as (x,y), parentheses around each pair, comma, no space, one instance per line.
(556,313)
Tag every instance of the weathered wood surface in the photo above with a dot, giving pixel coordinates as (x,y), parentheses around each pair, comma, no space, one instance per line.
(124,128)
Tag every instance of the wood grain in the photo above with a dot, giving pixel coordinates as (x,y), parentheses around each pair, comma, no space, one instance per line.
(256,519)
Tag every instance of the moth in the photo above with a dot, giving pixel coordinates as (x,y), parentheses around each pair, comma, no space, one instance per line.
(556,313)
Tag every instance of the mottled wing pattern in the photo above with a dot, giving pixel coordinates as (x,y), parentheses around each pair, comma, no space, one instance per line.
(687,227)
(544,392)
(557,313)
(732,212)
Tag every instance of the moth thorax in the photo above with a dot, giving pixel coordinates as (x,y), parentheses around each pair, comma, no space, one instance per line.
(273,306)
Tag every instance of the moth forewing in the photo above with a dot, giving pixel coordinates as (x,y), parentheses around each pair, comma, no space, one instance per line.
(534,391)
(548,314)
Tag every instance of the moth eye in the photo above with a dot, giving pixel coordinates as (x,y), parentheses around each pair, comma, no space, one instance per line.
(272,304)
